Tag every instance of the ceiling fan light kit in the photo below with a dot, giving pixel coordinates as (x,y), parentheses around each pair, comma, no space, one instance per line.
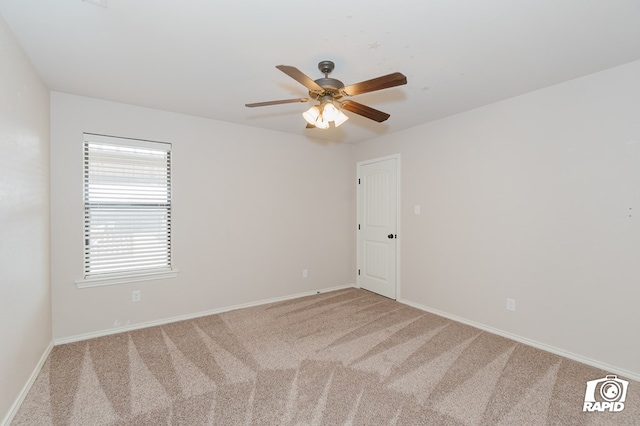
(329,91)
(320,116)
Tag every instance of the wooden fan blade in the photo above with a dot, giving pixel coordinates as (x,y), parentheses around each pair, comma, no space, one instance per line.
(301,78)
(384,82)
(310,126)
(365,111)
(284,101)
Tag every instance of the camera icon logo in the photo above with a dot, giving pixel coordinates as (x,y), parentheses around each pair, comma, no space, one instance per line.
(606,394)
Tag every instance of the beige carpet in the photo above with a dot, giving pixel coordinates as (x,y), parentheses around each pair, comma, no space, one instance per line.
(345,357)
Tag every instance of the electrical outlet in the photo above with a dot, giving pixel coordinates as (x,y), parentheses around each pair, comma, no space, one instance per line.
(511,304)
(305,273)
(135,296)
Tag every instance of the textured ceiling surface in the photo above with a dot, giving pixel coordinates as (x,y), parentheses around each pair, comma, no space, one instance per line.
(209,58)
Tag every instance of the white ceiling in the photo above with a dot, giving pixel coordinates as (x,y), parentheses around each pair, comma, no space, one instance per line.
(209,58)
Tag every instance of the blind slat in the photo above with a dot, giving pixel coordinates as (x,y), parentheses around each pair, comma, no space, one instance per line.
(128,261)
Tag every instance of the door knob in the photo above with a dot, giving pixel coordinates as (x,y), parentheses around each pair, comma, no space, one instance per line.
(390,236)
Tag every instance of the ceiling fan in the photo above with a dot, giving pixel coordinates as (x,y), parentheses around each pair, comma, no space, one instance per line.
(329,92)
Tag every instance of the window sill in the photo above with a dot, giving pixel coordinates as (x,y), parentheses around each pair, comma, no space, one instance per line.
(123,279)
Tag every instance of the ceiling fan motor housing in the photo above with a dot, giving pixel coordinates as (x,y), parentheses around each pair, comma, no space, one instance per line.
(330,85)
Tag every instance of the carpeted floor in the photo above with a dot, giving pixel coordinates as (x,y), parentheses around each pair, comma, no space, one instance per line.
(344,357)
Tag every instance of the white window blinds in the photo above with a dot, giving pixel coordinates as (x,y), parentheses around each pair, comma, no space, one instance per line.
(127,207)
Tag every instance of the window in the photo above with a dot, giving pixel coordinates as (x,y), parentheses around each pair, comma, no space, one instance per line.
(127,210)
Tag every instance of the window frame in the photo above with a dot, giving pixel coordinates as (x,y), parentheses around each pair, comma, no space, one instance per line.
(121,277)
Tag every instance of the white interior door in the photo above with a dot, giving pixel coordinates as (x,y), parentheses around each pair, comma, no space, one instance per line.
(378,225)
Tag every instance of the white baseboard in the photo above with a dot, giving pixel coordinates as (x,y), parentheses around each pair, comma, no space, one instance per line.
(27,387)
(603,366)
(117,330)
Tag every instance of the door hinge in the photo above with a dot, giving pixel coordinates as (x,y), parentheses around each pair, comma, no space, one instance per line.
(358,271)
(358,181)
(358,226)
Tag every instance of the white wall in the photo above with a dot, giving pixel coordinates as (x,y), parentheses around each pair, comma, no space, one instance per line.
(252,209)
(536,198)
(25,297)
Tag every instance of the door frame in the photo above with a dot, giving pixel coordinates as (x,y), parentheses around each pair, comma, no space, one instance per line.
(359,164)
